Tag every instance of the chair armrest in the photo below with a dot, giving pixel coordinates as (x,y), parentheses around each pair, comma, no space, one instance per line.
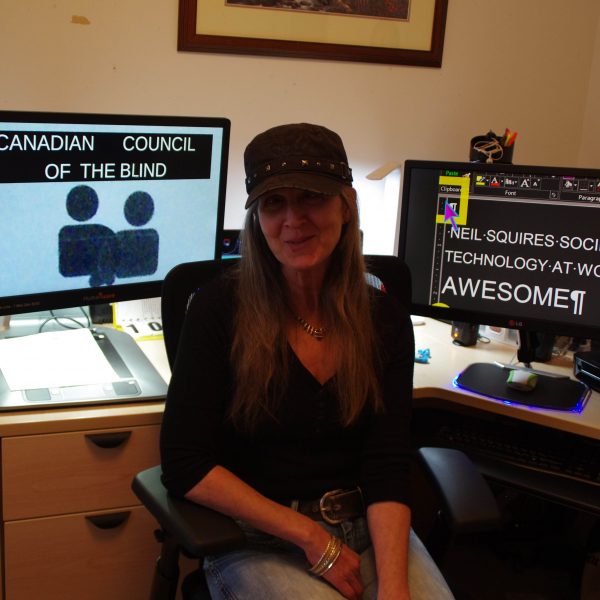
(199,530)
(470,506)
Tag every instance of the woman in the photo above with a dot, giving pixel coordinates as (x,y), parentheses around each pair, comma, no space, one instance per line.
(289,403)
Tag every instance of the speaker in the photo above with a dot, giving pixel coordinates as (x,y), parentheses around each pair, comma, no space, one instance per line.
(464,334)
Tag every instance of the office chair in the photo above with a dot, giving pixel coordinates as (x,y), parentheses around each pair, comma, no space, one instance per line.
(467,504)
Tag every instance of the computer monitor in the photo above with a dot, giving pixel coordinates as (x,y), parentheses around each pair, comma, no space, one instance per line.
(505,245)
(98,208)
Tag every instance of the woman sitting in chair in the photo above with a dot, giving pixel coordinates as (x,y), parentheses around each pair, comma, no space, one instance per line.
(290,398)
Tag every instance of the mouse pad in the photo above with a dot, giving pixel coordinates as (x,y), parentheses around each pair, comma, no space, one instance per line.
(489,379)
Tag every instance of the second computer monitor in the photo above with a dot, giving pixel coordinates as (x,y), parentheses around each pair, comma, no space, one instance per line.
(513,246)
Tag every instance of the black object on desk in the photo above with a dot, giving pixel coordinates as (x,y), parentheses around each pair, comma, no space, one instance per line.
(489,380)
(464,334)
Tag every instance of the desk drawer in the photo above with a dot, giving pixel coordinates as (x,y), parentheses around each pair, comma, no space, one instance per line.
(62,473)
(70,557)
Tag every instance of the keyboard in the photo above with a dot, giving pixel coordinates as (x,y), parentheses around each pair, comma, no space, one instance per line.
(514,442)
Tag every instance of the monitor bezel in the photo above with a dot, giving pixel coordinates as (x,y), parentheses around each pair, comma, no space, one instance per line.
(481,317)
(53,300)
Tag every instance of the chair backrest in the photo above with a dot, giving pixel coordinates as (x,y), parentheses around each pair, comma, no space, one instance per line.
(394,273)
(184,280)
(180,284)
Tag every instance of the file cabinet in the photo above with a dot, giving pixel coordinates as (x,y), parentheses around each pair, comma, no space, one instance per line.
(72,528)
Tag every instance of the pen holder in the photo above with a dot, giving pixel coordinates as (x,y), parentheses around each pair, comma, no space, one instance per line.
(489,149)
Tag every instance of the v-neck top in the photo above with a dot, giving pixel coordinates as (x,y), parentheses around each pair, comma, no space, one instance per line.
(306,451)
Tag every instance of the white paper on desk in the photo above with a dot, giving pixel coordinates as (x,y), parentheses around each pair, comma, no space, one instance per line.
(54,359)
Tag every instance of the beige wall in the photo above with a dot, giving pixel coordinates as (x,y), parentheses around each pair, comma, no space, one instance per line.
(530,65)
(589,154)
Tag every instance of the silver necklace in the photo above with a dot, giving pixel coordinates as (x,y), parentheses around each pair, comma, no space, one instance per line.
(317,332)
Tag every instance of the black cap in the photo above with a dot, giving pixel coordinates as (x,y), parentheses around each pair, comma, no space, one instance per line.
(301,155)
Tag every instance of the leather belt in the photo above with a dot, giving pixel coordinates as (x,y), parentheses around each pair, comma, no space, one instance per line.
(333,507)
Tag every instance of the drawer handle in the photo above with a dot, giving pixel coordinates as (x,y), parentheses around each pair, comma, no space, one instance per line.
(109,440)
(108,521)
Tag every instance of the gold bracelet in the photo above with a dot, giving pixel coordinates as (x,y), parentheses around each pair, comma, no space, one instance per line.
(331,562)
(324,557)
(327,560)
(331,558)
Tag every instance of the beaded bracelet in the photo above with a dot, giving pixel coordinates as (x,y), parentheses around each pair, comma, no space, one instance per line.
(331,554)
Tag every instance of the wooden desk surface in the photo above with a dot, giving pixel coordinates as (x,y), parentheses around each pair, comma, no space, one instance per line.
(433,380)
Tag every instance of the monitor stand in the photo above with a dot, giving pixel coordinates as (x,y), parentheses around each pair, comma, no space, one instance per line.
(551,391)
(135,378)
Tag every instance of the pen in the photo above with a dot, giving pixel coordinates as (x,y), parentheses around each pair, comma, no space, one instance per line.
(512,138)
(508,139)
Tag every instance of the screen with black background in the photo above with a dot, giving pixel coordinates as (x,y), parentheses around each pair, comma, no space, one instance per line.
(500,244)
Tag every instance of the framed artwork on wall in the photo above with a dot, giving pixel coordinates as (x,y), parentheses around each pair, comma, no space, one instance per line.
(405,32)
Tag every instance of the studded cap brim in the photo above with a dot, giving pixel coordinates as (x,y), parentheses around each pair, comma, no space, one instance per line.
(297,155)
(313,182)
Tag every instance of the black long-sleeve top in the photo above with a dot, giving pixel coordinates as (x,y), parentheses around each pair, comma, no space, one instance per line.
(306,452)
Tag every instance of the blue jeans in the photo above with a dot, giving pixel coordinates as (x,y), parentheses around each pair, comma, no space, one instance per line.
(268,568)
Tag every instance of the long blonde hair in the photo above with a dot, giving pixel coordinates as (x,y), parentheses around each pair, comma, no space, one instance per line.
(260,350)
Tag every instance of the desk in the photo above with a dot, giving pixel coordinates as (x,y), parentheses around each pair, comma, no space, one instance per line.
(434,380)
(447,415)
(71,527)
(55,479)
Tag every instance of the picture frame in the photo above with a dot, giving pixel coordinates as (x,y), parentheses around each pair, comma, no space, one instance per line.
(224,26)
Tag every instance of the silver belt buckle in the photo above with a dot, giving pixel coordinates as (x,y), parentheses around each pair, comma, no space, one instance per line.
(325,509)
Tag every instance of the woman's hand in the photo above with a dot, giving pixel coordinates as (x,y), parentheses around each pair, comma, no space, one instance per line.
(344,575)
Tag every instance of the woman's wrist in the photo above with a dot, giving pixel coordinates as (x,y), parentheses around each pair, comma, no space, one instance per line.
(313,540)
(309,534)
(328,558)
